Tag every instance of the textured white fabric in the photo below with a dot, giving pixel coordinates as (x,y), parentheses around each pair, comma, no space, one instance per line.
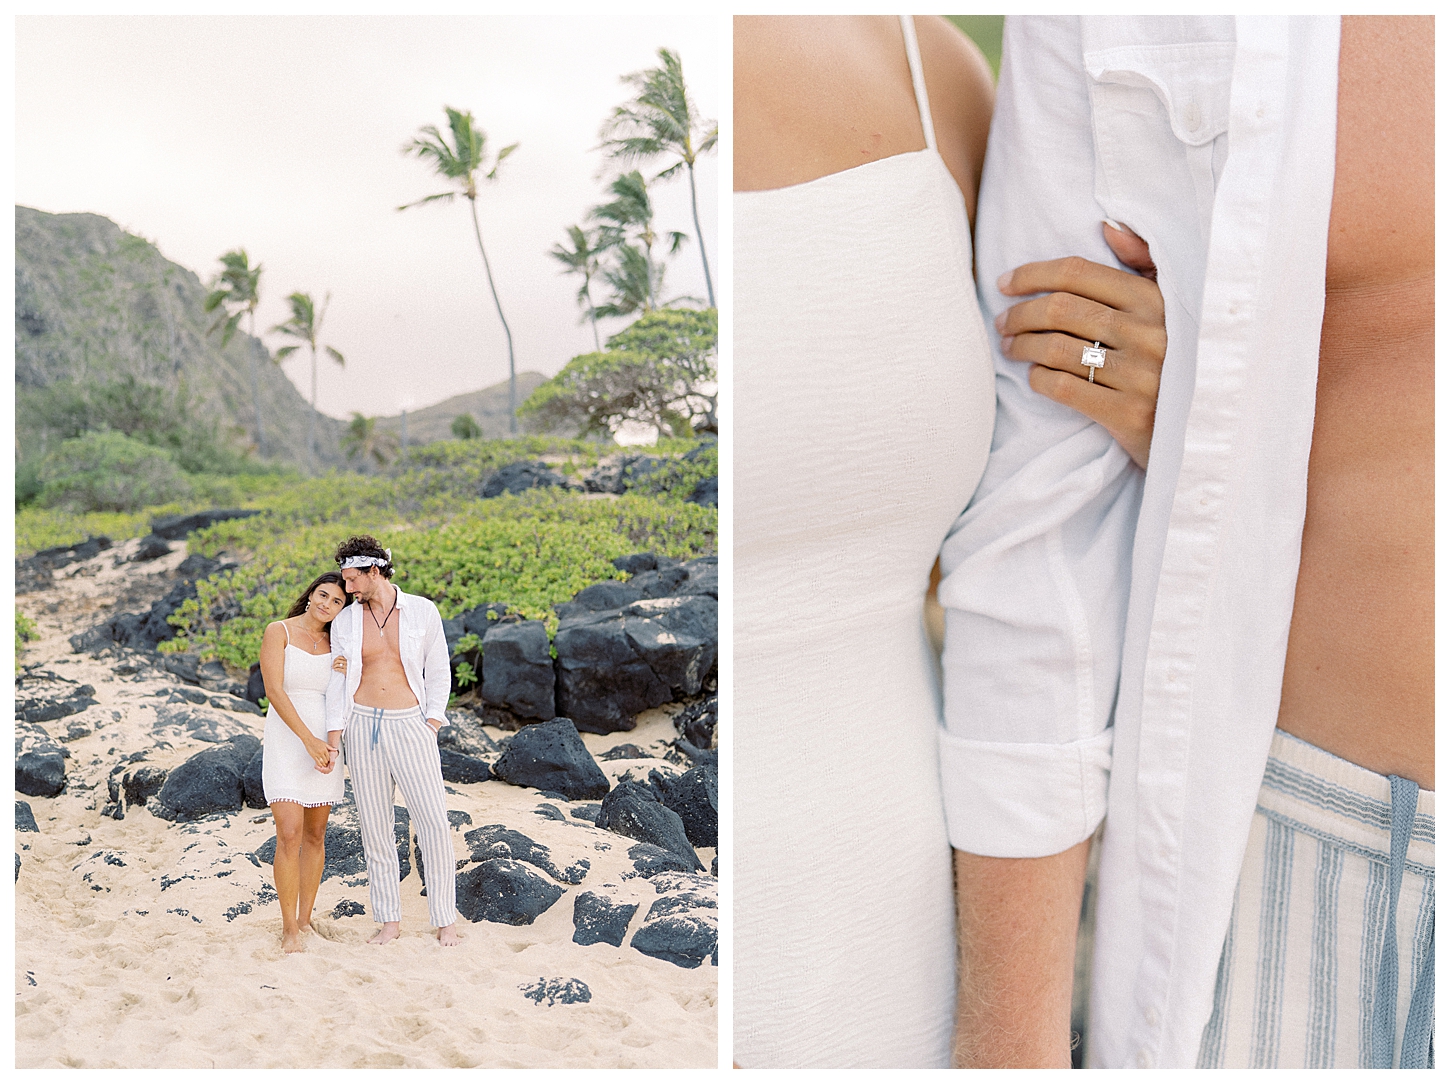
(863,407)
(288,773)
(424,651)
(1069,608)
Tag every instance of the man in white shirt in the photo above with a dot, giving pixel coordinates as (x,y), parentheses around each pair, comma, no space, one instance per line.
(389,707)
(1121,647)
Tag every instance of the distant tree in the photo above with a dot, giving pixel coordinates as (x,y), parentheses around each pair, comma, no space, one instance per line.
(460,163)
(662,120)
(108,472)
(630,217)
(659,371)
(583,259)
(363,440)
(304,326)
(234,292)
(465,428)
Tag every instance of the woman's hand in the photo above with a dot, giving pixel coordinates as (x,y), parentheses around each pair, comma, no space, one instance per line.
(1083,303)
(340,664)
(320,752)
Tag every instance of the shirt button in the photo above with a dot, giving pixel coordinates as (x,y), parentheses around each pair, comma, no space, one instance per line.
(1145,1060)
(1150,1014)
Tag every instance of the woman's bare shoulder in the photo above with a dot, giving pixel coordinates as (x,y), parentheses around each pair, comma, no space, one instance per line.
(960,87)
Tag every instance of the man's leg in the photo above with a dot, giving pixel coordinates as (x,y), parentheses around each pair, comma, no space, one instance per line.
(417,767)
(372,787)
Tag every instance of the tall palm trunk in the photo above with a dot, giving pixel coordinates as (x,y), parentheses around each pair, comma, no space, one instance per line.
(487,270)
(256,389)
(709,287)
(312,418)
(594,322)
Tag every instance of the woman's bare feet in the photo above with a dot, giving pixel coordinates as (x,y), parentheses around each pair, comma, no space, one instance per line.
(292,941)
(386,934)
(449,935)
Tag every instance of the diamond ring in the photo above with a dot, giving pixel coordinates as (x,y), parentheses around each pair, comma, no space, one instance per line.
(1094,357)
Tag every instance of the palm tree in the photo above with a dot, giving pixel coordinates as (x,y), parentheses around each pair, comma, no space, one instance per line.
(634,281)
(631,212)
(583,258)
(363,440)
(662,120)
(304,326)
(459,163)
(465,428)
(234,291)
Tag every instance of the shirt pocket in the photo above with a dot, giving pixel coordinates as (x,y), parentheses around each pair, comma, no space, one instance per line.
(1160,116)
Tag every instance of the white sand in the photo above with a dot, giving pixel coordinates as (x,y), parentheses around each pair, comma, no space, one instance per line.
(113,970)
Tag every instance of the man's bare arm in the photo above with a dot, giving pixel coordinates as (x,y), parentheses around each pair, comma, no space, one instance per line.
(1017,934)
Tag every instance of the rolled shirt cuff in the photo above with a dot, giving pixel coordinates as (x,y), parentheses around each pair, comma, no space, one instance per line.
(1024,799)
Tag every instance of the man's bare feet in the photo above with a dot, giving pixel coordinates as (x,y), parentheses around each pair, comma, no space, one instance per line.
(449,935)
(386,934)
(292,941)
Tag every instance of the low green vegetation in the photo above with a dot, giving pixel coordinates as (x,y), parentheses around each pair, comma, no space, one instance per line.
(24,630)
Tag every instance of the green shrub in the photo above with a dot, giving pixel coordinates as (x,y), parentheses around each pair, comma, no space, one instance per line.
(108,472)
(24,630)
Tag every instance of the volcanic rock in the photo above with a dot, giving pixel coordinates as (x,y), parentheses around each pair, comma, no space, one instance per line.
(503,890)
(210,781)
(634,810)
(695,796)
(551,757)
(680,928)
(24,818)
(599,919)
(517,477)
(174,528)
(496,841)
(518,673)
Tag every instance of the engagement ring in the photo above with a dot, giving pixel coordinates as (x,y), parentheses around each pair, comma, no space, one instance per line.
(1094,357)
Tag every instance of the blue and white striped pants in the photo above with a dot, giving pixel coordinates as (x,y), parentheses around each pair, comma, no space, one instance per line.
(385,747)
(1330,955)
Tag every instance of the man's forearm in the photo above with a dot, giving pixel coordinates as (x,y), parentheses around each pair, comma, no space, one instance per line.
(1017,931)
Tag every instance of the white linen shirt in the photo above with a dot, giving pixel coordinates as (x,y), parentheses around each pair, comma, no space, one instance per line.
(423,647)
(1115,643)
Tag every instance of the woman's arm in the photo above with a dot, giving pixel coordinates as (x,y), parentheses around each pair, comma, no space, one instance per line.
(274,645)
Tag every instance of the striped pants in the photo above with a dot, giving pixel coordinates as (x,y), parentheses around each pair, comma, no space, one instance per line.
(387,747)
(1330,955)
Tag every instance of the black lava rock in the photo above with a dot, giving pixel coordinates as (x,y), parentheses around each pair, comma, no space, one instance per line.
(462,768)
(517,477)
(17,866)
(626,751)
(348,908)
(152,547)
(677,929)
(706,492)
(598,919)
(551,756)
(695,796)
(663,581)
(502,890)
(24,818)
(556,991)
(697,723)
(650,860)
(40,772)
(252,790)
(173,528)
(598,598)
(482,618)
(496,841)
(142,784)
(518,672)
(256,688)
(344,851)
(44,709)
(636,563)
(210,781)
(634,810)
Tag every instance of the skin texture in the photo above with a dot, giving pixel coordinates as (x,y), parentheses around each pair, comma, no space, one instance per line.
(384,684)
(1359,676)
(297,865)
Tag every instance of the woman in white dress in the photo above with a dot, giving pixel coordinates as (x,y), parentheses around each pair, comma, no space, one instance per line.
(301,776)
(864,406)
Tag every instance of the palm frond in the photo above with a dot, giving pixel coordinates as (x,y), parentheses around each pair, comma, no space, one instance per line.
(285,351)
(336,355)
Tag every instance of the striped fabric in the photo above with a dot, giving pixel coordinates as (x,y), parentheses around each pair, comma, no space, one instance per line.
(385,747)
(1304,981)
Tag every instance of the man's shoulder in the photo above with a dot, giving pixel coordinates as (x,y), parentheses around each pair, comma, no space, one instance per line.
(349,615)
(422,603)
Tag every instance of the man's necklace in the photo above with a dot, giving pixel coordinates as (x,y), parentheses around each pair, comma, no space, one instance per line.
(384,622)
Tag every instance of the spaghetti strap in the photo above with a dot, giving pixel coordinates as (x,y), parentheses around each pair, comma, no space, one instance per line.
(287,631)
(918,80)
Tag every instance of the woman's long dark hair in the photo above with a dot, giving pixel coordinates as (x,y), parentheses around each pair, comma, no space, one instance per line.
(300,606)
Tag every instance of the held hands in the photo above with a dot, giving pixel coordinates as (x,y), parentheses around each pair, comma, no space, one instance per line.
(322,755)
(1084,302)
(340,664)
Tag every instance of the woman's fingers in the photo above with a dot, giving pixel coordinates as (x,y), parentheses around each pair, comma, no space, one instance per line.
(1131,250)
(1097,282)
(1128,418)
(1122,371)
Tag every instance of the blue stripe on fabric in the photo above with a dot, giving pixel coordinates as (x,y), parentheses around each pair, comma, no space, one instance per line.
(1334,798)
(1273,940)
(1375,895)
(1415,1053)
(1324,959)
(1344,844)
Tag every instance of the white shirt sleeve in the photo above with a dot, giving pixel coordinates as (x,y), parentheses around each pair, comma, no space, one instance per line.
(437,674)
(335,703)
(1036,571)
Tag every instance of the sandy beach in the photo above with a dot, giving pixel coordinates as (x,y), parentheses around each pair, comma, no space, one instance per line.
(144,943)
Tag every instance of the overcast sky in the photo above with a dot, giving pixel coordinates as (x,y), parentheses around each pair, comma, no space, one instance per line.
(282,135)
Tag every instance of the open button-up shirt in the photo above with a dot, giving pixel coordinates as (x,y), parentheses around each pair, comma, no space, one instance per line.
(424,650)
(1115,643)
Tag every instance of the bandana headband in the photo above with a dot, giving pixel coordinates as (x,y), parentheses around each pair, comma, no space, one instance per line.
(367,562)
